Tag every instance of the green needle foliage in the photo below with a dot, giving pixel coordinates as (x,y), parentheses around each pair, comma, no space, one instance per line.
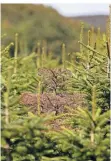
(88,138)
(84,132)
(91,68)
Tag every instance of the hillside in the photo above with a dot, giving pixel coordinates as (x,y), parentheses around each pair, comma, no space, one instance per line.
(39,23)
(95,20)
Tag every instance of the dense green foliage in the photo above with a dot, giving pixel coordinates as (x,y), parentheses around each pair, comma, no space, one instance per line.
(84,132)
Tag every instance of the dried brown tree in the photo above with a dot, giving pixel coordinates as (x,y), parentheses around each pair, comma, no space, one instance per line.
(52,103)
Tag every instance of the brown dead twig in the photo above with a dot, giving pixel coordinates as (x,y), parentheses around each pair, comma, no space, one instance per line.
(55,80)
(52,103)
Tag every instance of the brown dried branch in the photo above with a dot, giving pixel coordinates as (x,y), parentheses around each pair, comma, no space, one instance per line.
(52,103)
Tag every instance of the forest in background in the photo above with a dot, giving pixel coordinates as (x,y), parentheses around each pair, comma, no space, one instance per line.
(95,20)
(36,23)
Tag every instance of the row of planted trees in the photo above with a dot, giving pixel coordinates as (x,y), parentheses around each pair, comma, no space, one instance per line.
(84,132)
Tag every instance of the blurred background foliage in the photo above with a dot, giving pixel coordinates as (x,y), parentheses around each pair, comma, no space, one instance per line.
(39,23)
